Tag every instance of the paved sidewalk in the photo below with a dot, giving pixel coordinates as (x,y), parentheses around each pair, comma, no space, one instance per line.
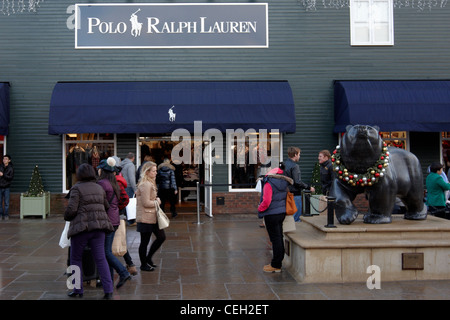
(221,259)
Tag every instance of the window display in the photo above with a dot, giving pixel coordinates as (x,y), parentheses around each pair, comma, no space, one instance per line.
(85,148)
(396,139)
(446,151)
(253,158)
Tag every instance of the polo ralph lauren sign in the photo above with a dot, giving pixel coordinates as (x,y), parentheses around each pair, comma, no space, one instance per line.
(183,25)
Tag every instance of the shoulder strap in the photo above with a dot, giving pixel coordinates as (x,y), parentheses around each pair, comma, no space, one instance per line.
(112,197)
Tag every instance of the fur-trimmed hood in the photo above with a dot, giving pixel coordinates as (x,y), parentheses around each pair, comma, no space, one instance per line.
(166,164)
(277,173)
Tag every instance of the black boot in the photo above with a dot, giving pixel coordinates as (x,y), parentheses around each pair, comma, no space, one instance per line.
(108,296)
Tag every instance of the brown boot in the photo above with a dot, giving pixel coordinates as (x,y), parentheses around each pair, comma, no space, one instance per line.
(132,270)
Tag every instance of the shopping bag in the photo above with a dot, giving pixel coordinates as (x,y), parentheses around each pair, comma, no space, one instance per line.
(289,224)
(163,220)
(258,187)
(131,209)
(119,245)
(64,241)
(291,208)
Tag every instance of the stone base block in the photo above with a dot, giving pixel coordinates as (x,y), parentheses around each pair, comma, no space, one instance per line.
(338,255)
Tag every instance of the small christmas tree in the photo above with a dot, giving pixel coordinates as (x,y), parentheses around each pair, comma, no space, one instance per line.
(36,188)
(315,179)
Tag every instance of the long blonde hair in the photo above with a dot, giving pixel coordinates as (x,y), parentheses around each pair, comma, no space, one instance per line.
(144,177)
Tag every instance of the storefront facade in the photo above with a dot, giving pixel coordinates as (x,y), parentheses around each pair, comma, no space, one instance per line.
(307,51)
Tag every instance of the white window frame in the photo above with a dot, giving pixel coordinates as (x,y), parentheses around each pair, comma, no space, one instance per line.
(371,21)
(229,161)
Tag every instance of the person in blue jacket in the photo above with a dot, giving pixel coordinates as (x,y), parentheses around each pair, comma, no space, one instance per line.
(272,208)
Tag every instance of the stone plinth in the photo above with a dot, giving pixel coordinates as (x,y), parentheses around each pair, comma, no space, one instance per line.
(343,254)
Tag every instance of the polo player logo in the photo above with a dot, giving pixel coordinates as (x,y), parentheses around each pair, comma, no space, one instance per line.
(136,26)
(172,114)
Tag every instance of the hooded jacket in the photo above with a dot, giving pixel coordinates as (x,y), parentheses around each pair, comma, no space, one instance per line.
(86,209)
(129,173)
(124,199)
(166,176)
(274,193)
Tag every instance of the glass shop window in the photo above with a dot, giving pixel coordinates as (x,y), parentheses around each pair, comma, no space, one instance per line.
(85,148)
(446,151)
(398,139)
(2,145)
(252,156)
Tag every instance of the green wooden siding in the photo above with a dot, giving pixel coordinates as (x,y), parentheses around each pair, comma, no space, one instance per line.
(309,49)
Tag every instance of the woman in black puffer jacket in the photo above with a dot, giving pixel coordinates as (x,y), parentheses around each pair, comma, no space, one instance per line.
(86,212)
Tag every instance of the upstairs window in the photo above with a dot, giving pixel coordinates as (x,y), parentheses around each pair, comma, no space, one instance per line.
(372,22)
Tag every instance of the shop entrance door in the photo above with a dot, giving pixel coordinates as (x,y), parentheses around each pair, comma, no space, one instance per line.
(208,177)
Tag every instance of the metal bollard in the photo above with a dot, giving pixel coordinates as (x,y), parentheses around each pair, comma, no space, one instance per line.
(330,215)
(307,204)
(198,205)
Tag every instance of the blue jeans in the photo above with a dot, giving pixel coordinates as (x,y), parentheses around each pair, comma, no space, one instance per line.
(4,194)
(114,263)
(298,204)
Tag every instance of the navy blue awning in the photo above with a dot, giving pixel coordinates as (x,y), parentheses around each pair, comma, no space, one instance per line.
(395,105)
(4,108)
(143,107)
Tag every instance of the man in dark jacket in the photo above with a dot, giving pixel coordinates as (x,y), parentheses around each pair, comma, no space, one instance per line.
(6,177)
(326,171)
(292,170)
(167,185)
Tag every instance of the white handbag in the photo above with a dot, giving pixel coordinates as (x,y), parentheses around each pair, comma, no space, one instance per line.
(163,220)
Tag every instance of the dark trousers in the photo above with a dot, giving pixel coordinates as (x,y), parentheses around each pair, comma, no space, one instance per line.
(274,227)
(168,195)
(96,241)
(145,240)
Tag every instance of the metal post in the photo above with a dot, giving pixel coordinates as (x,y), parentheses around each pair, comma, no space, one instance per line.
(198,204)
(330,216)
(307,204)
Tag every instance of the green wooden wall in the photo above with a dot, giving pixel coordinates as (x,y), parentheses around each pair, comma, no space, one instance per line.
(309,49)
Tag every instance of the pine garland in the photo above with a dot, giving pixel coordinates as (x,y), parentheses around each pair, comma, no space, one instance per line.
(372,175)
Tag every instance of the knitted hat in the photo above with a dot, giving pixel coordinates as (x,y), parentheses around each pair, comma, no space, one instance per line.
(108,165)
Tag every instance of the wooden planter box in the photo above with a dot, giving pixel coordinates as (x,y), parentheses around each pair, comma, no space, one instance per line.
(35,206)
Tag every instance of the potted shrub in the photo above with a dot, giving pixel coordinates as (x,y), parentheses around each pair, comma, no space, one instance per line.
(36,201)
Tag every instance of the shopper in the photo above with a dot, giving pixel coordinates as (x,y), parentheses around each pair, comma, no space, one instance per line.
(436,187)
(147,223)
(123,202)
(292,170)
(6,177)
(167,185)
(106,171)
(129,173)
(86,211)
(272,208)
(326,171)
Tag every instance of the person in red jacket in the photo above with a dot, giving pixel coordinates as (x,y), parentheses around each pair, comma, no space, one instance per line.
(272,208)
(123,202)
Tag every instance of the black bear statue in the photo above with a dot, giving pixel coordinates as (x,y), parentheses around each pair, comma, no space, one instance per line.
(364,164)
